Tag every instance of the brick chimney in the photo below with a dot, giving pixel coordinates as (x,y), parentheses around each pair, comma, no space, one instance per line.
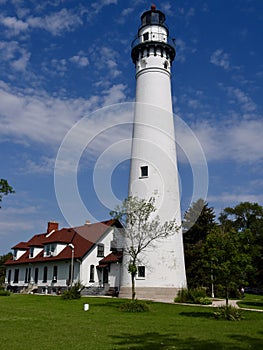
(52,225)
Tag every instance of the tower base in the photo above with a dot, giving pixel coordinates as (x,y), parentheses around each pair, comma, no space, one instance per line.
(166,295)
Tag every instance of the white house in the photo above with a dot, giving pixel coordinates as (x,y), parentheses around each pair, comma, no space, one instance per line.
(50,262)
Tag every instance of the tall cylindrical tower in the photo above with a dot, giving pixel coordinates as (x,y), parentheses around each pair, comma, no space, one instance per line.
(153,171)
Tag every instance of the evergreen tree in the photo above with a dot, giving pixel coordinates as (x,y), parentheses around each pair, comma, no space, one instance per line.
(198,221)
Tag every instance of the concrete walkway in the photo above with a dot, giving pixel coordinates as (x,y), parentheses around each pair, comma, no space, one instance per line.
(222,302)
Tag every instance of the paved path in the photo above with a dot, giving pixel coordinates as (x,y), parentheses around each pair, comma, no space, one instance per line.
(222,302)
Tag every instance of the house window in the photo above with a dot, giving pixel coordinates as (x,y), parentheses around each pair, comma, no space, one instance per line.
(141,272)
(91,273)
(144,171)
(31,252)
(9,277)
(36,275)
(26,275)
(45,274)
(55,274)
(15,254)
(16,276)
(100,251)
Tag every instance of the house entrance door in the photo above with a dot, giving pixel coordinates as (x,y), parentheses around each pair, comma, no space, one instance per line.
(105,275)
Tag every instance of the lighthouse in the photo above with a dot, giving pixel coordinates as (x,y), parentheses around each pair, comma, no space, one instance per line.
(153,169)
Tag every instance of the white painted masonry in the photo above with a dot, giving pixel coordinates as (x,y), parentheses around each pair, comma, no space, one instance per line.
(153,146)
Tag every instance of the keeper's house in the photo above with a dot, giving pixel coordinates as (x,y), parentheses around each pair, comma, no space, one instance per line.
(52,261)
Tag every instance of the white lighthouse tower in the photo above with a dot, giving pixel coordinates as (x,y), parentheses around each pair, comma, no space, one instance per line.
(153,171)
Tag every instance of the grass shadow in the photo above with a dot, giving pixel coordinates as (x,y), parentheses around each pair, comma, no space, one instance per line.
(251,303)
(161,341)
(197,314)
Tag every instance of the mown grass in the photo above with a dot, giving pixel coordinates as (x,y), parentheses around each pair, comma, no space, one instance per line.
(48,322)
(252,301)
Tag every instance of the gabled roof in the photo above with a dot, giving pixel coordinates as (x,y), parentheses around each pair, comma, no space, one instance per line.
(83,239)
(21,246)
(93,232)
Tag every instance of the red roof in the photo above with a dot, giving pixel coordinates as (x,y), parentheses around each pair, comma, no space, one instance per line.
(83,238)
(113,257)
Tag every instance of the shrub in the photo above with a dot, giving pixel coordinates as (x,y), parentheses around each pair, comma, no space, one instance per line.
(193,296)
(134,306)
(74,292)
(205,301)
(4,293)
(229,313)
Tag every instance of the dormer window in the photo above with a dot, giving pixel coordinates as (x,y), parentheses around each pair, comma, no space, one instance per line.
(15,254)
(100,251)
(31,252)
(50,249)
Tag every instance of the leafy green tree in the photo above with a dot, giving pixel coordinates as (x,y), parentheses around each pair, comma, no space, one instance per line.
(142,229)
(247,219)
(5,189)
(198,221)
(3,259)
(226,256)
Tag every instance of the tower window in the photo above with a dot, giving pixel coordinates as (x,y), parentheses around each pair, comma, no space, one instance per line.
(145,36)
(141,272)
(144,171)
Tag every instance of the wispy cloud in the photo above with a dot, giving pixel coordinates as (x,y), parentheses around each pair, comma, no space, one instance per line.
(98,5)
(239,142)
(240,97)
(221,59)
(14,55)
(56,23)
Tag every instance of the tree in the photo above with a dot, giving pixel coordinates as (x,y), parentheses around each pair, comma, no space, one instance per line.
(5,189)
(198,221)
(227,258)
(247,219)
(3,259)
(142,229)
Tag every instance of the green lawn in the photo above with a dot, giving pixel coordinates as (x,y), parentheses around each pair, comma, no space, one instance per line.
(48,322)
(252,301)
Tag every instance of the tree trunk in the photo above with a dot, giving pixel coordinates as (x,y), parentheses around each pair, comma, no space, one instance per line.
(227,296)
(133,285)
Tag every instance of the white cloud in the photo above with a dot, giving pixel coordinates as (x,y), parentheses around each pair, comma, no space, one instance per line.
(80,59)
(14,25)
(98,5)
(39,117)
(181,50)
(21,63)
(127,11)
(115,94)
(239,142)
(242,99)
(15,55)
(220,58)
(57,22)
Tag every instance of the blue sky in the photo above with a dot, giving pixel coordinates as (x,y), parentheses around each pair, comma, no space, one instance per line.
(62,61)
